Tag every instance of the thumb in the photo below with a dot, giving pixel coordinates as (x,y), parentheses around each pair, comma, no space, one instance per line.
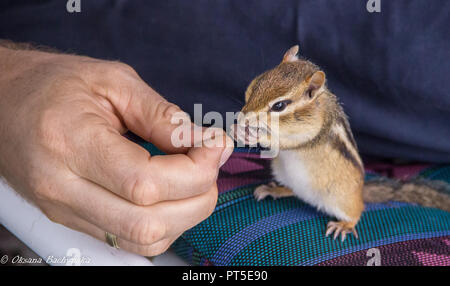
(215,149)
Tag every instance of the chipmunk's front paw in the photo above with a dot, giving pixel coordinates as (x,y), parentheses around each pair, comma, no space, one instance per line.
(342,228)
(271,190)
(263,191)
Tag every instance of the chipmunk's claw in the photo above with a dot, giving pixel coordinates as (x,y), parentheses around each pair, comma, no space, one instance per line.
(342,228)
(262,192)
(272,190)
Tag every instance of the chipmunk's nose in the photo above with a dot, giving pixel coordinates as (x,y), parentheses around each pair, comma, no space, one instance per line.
(244,130)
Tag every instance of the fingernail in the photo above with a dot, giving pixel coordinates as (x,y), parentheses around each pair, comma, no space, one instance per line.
(227,151)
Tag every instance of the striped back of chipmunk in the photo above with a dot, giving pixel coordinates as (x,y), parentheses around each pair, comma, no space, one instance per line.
(341,138)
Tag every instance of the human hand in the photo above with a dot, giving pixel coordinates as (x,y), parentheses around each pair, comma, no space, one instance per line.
(61,123)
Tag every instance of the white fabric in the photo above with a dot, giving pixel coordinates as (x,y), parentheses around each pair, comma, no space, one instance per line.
(57,244)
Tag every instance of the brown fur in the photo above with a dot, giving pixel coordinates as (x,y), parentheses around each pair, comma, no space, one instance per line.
(338,176)
(272,190)
(340,172)
(420,191)
(272,83)
(315,126)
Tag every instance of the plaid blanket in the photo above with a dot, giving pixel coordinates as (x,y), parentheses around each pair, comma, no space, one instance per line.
(286,231)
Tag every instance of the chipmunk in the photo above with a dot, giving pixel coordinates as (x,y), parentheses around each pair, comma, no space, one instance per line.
(318,160)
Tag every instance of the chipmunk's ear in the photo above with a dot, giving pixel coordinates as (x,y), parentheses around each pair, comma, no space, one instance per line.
(291,55)
(315,83)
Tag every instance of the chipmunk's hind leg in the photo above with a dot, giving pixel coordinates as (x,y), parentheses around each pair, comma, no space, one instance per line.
(272,190)
(342,228)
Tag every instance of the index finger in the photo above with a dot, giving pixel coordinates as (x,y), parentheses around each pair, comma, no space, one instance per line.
(128,170)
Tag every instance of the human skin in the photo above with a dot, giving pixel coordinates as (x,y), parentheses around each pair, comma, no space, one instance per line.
(61,123)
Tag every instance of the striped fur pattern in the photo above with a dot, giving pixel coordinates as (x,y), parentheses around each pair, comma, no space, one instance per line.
(427,193)
(319,160)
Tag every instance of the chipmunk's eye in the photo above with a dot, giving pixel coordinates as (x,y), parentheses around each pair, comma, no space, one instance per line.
(280,105)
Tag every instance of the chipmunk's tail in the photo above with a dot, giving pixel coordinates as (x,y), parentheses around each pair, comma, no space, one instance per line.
(427,193)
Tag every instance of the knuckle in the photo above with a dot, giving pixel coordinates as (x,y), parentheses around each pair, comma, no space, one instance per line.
(147,230)
(160,111)
(166,109)
(126,68)
(41,193)
(51,216)
(120,69)
(155,250)
(140,191)
(44,191)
